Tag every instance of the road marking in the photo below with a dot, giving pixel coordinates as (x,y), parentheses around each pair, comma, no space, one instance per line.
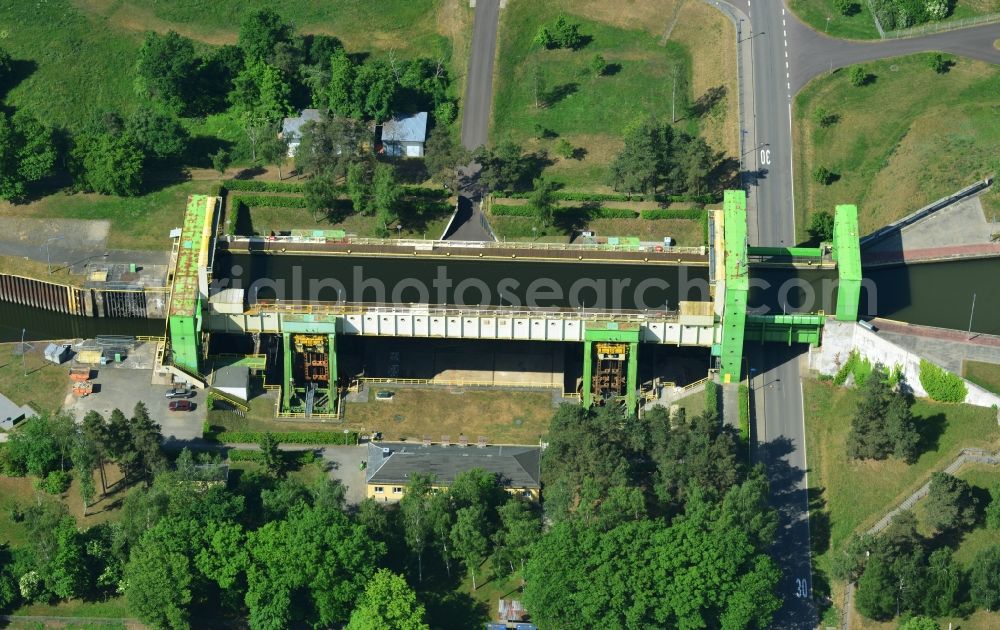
(786,66)
(791,167)
(784,33)
(782,10)
(783,22)
(789,86)
(786,54)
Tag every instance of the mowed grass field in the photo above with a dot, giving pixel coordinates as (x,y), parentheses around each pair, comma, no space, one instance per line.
(76,58)
(857,493)
(986,375)
(861,25)
(907,138)
(847,496)
(592,112)
(858,25)
(504,417)
(43,388)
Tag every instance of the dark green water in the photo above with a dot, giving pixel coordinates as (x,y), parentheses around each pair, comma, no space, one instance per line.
(938,294)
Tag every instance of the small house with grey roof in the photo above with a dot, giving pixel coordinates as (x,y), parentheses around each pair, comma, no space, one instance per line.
(404,135)
(391,465)
(291,129)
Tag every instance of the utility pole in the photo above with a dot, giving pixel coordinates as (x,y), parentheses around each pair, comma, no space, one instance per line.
(971,313)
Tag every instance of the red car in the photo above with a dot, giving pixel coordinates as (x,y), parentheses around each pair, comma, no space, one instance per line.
(180,405)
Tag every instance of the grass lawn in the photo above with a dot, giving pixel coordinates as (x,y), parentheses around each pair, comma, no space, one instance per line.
(986,375)
(136,222)
(687,232)
(909,137)
(858,25)
(591,112)
(504,417)
(45,386)
(856,494)
(429,221)
(846,496)
(693,404)
(18,266)
(61,45)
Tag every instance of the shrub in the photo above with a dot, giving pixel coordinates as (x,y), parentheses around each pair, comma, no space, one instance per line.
(692,214)
(712,398)
(824,118)
(301,458)
(823,175)
(745,413)
(254,185)
(285,437)
(940,384)
(938,63)
(269,201)
(564,149)
(560,34)
(845,7)
(563,195)
(527,211)
(821,226)
(56,482)
(858,76)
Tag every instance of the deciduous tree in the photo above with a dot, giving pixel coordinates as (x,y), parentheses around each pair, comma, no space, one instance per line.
(166,70)
(984,579)
(27,153)
(388,603)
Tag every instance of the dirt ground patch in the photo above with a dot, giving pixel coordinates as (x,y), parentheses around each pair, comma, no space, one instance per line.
(506,417)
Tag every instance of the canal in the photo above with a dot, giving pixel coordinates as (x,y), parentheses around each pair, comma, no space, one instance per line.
(937,294)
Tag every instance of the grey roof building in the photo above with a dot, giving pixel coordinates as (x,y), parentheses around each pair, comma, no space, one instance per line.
(405,135)
(394,463)
(291,128)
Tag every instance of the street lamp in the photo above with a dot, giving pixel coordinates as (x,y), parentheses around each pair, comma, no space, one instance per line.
(48,261)
(827,24)
(399,230)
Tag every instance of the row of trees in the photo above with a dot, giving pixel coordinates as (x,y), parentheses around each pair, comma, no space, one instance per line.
(657,158)
(883,423)
(900,572)
(47,447)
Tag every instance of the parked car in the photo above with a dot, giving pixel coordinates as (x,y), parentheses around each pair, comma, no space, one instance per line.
(180,405)
(180,393)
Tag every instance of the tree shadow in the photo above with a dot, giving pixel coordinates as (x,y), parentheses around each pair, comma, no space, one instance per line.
(20,69)
(819,521)
(411,170)
(242,220)
(560,92)
(851,10)
(708,100)
(416,213)
(571,220)
(611,69)
(201,148)
(725,174)
(930,429)
(451,609)
(579,153)
(250,172)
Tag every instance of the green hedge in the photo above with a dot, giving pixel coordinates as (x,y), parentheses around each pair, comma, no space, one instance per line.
(712,398)
(576,196)
(256,185)
(655,215)
(745,413)
(292,457)
(219,434)
(940,384)
(268,201)
(857,365)
(504,210)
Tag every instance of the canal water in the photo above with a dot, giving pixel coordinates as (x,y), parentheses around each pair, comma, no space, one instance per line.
(936,294)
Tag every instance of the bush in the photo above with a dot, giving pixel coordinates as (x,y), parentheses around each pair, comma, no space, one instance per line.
(712,398)
(858,76)
(938,63)
(56,482)
(301,458)
(268,201)
(578,196)
(857,365)
(527,211)
(560,34)
(940,384)
(821,226)
(745,413)
(845,7)
(692,214)
(219,434)
(254,185)
(823,175)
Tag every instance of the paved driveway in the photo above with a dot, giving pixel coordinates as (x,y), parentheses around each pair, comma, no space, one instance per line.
(345,466)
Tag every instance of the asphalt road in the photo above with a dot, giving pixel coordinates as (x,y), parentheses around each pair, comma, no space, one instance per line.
(470,224)
(479,78)
(785,55)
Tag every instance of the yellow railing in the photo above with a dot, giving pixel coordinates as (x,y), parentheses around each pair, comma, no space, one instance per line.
(694,384)
(456,382)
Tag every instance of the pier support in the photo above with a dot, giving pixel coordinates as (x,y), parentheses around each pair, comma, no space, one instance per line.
(289,377)
(331,371)
(612,333)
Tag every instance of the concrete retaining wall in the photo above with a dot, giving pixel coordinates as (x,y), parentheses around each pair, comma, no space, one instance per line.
(840,338)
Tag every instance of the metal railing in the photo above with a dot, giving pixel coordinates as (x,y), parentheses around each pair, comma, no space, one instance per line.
(432,245)
(456,383)
(355,308)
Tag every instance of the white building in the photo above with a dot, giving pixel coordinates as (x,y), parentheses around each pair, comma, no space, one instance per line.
(291,128)
(404,135)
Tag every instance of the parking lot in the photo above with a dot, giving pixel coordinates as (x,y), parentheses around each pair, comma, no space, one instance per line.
(121,386)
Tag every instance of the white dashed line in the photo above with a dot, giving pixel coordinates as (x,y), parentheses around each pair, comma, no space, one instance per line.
(789,86)
(784,33)
(786,54)
(783,22)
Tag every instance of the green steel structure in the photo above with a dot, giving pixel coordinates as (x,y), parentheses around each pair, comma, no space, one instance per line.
(786,252)
(847,253)
(737,284)
(190,282)
(614,332)
(796,328)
